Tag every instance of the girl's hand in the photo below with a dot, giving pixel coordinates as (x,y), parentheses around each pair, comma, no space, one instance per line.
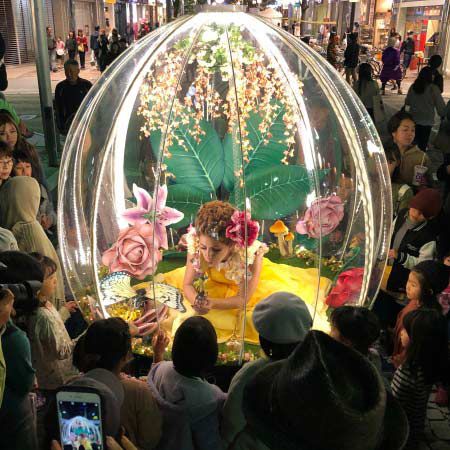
(160,341)
(147,324)
(202,305)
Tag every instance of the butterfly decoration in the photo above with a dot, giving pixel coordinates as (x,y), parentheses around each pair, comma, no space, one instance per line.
(116,287)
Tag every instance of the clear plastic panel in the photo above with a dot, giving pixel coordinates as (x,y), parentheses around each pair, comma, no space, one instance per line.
(222,107)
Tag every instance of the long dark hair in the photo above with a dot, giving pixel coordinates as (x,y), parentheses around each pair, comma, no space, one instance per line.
(428,297)
(427,349)
(364,75)
(424,79)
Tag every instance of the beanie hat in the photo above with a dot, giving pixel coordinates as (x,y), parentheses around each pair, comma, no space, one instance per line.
(282,318)
(436,273)
(428,201)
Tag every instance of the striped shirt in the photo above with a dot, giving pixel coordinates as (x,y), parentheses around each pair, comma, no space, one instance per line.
(412,392)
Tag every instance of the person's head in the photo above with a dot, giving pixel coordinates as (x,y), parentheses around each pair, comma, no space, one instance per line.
(211,224)
(80,32)
(319,113)
(71,70)
(446,259)
(393,157)
(392,41)
(365,72)
(9,132)
(426,281)
(71,34)
(435,62)
(6,161)
(50,282)
(6,305)
(355,327)
(425,339)
(114,32)
(103,32)
(195,349)
(97,27)
(402,128)
(107,345)
(410,34)
(425,205)
(282,321)
(49,31)
(352,37)
(424,79)
(23,165)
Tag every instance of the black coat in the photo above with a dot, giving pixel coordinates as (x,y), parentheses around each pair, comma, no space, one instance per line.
(351,55)
(3,76)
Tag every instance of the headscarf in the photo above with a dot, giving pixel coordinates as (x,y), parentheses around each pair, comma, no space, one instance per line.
(19,204)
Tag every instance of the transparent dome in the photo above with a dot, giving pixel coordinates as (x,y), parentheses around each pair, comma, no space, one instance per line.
(222,106)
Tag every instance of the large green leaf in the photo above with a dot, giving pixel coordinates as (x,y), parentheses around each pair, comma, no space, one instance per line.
(275,192)
(202,164)
(229,178)
(187,199)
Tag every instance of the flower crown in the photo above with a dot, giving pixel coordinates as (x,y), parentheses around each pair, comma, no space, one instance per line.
(236,232)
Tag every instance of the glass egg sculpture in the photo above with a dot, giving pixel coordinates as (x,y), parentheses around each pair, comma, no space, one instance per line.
(218,161)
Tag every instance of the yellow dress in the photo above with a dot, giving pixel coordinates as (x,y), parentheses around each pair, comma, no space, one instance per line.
(273,278)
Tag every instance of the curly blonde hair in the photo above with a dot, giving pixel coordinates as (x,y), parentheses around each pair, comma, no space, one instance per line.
(213,218)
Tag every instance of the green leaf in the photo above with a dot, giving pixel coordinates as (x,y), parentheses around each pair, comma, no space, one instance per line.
(275,192)
(187,199)
(202,164)
(229,178)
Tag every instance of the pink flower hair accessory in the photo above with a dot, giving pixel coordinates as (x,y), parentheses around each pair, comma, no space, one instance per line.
(236,228)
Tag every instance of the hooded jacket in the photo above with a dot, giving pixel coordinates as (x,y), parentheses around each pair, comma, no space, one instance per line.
(190,408)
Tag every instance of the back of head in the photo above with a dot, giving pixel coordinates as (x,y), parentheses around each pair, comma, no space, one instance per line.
(107,342)
(359,326)
(424,79)
(365,72)
(392,41)
(195,349)
(435,61)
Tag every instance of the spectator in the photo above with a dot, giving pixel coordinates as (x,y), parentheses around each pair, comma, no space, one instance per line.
(367,88)
(189,404)
(332,51)
(102,51)
(391,66)
(60,52)
(434,63)
(51,46)
(71,45)
(6,107)
(324,396)
(351,58)
(69,94)
(425,282)
(6,306)
(113,47)
(401,127)
(443,175)
(19,205)
(82,48)
(23,166)
(7,241)
(442,139)
(422,100)
(122,44)
(6,163)
(9,133)
(16,414)
(94,45)
(107,345)
(408,48)
(282,321)
(425,339)
(3,75)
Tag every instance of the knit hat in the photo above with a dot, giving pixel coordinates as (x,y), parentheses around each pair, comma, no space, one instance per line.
(324,396)
(7,241)
(436,273)
(428,201)
(282,318)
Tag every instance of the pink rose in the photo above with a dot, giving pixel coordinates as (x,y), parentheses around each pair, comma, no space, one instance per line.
(322,217)
(236,229)
(134,252)
(347,288)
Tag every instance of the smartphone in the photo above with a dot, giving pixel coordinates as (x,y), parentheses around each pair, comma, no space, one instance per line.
(80,419)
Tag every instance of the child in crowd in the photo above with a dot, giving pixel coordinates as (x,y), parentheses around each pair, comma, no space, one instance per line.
(60,52)
(282,321)
(6,163)
(189,404)
(425,282)
(401,192)
(23,166)
(425,340)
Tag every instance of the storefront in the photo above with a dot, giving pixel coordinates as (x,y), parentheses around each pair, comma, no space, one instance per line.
(382,22)
(110,20)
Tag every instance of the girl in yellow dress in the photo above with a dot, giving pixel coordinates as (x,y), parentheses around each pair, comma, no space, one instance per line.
(214,282)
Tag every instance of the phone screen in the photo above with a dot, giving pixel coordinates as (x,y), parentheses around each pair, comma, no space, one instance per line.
(80,421)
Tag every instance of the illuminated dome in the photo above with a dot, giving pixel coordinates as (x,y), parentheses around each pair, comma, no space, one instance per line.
(223,105)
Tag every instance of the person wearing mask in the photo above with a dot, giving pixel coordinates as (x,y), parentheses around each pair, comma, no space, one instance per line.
(71,45)
(332,51)
(408,48)
(391,66)
(367,88)
(351,57)
(69,94)
(422,100)
(434,63)
(51,47)
(82,48)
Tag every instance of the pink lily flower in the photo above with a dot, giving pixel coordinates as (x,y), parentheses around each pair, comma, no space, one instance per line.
(145,212)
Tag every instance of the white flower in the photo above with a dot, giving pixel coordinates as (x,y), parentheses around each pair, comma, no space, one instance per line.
(209,35)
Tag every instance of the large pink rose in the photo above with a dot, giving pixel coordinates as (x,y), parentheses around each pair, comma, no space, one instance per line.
(322,217)
(347,288)
(236,229)
(134,252)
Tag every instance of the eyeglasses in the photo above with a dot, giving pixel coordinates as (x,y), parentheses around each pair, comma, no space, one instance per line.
(6,162)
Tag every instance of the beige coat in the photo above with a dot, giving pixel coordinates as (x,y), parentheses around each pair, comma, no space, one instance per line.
(410,158)
(19,204)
